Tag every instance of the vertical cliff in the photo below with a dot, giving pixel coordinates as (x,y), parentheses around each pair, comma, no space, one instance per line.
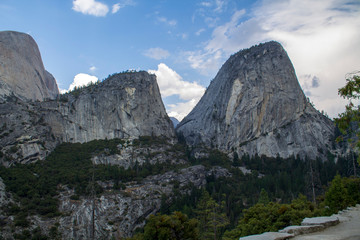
(126,105)
(22,72)
(255,105)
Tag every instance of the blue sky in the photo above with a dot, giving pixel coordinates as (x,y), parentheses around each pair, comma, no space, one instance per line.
(185,42)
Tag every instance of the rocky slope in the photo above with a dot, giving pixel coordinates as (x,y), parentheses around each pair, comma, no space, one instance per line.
(126,105)
(255,105)
(118,212)
(22,72)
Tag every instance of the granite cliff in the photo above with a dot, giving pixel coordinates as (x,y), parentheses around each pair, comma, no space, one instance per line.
(22,72)
(125,105)
(255,105)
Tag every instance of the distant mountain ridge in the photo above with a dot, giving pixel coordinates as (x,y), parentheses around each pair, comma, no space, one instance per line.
(174,121)
(255,105)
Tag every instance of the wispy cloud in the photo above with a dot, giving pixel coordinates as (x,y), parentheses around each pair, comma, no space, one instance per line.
(90,7)
(220,5)
(116,7)
(206,4)
(99,9)
(157,53)
(216,5)
(198,33)
(167,21)
(171,83)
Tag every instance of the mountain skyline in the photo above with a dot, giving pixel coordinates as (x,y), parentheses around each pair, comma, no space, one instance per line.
(185,43)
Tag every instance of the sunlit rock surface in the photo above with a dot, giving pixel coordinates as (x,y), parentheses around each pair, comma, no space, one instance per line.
(255,105)
(22,71)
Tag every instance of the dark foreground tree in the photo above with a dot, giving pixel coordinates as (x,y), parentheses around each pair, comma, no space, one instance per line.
(170,227)
(211,216)
(349,121)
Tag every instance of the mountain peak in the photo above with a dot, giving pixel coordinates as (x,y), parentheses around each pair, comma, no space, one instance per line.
(255,105)
(22,70)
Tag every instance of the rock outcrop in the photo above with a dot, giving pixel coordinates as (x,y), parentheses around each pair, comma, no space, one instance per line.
(22,72)
(255,105)
(126,105)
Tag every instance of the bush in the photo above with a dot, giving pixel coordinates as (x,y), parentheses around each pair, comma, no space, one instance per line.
(343,192)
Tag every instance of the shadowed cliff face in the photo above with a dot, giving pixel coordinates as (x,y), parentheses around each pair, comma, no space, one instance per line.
(255,105)
(22,72)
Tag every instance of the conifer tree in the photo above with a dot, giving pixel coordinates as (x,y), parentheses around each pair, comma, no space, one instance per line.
(211,216)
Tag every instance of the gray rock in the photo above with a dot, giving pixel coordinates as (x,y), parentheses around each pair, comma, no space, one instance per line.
(5,197)
(255,105)
(24,136)
(298,230)
(325,221)
(126,106)
(22,72)
(130,155)
(268,236)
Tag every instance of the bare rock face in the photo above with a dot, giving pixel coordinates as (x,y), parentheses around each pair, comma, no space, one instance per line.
(22,72)
(126,106)
(255,105)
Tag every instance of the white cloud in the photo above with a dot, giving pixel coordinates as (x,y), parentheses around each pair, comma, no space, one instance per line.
(92,68)
(157,53)
(220,4)
(183,36)
(82,79)
(182,109)
(308,83)
(207,63)
(209,59)
(117,6)
(90,7)
(198,33)
(321,38)
(171,83)
(206,4)
(167,21)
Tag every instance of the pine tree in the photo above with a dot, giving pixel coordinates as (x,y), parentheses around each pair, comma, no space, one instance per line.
(264,197)
(211,216)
